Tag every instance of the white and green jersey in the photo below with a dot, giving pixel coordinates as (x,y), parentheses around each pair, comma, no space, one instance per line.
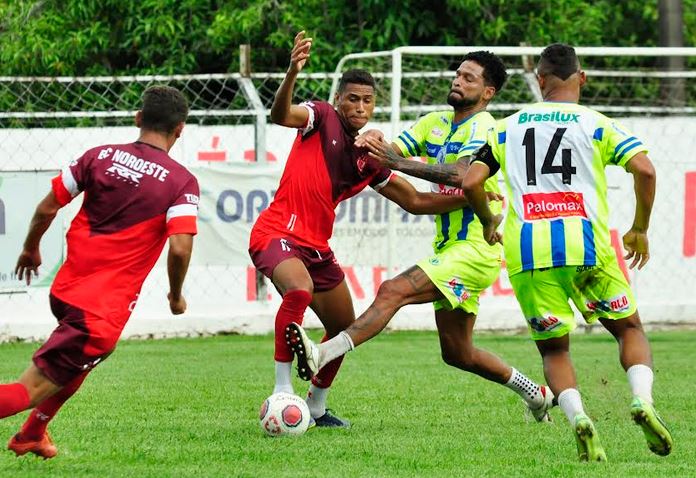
(438,139)
(553,157)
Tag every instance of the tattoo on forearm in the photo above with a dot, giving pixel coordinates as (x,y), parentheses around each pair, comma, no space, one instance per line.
(449,174)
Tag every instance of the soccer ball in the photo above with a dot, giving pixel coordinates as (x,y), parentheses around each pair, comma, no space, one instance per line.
(284,414)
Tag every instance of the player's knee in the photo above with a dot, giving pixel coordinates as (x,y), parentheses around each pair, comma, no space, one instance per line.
(390,291)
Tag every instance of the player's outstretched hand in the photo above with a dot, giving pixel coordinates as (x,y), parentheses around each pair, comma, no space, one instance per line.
(177,307)
(28,262)
(381,151)
(636,245)
(490,230)
(300,52)
(361,140)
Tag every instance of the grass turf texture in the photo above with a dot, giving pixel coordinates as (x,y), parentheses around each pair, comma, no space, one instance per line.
(189,407)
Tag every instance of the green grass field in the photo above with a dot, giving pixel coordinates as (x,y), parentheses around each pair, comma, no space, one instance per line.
(189,407)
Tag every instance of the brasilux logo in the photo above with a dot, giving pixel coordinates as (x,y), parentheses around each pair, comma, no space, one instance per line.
(552,205)
(555,116)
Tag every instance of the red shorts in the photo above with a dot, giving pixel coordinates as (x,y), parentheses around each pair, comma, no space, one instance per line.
(80,342)
(322,266)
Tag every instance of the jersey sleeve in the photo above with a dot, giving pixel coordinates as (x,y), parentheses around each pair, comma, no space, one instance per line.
(183,213)
(73,179)
(411,142)
(485,155)
(620,144)
(317,112)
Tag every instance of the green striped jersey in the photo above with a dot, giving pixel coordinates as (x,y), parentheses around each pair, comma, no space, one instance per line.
(438,139)
(553,156)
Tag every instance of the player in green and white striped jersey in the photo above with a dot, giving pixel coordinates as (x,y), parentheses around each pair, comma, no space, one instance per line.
(463,264)
(557,246)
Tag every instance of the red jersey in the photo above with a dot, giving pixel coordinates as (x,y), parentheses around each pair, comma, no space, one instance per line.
(136,196)
(323,169)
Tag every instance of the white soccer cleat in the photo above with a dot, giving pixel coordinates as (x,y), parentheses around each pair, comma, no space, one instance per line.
(307,352)
(541,413)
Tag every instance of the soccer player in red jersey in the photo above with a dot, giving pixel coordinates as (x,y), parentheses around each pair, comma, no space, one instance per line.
(289,241)
(136,198)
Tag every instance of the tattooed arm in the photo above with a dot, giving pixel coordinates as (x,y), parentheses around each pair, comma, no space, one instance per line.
(449,174)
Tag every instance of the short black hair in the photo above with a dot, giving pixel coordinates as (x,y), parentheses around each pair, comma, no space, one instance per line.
(558,60)
(359,77)
(163,109)
(494,73)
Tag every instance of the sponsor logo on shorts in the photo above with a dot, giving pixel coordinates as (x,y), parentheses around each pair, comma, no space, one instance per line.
(619,303)
(458,290)
(435,261)
(91,365)
(544,324)
(551,205)
(584,268)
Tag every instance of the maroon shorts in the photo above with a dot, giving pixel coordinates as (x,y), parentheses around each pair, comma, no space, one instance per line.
(322,266)
(80,342)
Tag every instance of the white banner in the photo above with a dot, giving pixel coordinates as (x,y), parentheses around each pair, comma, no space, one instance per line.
(372,237)
(20,192)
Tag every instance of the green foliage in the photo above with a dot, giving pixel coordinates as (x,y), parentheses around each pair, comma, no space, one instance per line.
(110,37)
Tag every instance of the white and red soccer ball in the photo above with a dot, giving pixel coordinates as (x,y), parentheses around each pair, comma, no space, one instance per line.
(284,414)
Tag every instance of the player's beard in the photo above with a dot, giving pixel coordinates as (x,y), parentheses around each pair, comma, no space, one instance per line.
(461,101)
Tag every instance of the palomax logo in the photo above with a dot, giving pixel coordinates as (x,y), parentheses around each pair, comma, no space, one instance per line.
(552,205)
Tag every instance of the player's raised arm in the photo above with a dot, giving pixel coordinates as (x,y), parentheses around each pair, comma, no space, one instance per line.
(30,257)
(416,202)
(636,239)
(283,112)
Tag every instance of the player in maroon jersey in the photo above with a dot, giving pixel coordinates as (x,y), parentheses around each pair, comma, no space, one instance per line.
(136,198)
(289,241)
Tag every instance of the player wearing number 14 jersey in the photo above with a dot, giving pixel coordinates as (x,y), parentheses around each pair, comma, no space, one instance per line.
(552,155)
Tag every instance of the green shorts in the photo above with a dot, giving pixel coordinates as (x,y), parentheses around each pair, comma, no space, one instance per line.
(461,273)
(599,292)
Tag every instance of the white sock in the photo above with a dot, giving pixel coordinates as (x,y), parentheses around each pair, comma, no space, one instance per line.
(571,403)
(334,348)
(640,378)
(316,400)
(283,377)
(526,388)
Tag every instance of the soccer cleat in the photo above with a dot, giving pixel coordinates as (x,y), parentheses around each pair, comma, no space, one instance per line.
(656,433)
(541,413)
(587,440)
(307,352)
(329,420)
(43,447)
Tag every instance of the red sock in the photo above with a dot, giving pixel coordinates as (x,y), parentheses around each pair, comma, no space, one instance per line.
(295,302)
(35,426)
(14,398)
(325,377)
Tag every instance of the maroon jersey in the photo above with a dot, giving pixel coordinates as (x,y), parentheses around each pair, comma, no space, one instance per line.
(135,197)
(323,169)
